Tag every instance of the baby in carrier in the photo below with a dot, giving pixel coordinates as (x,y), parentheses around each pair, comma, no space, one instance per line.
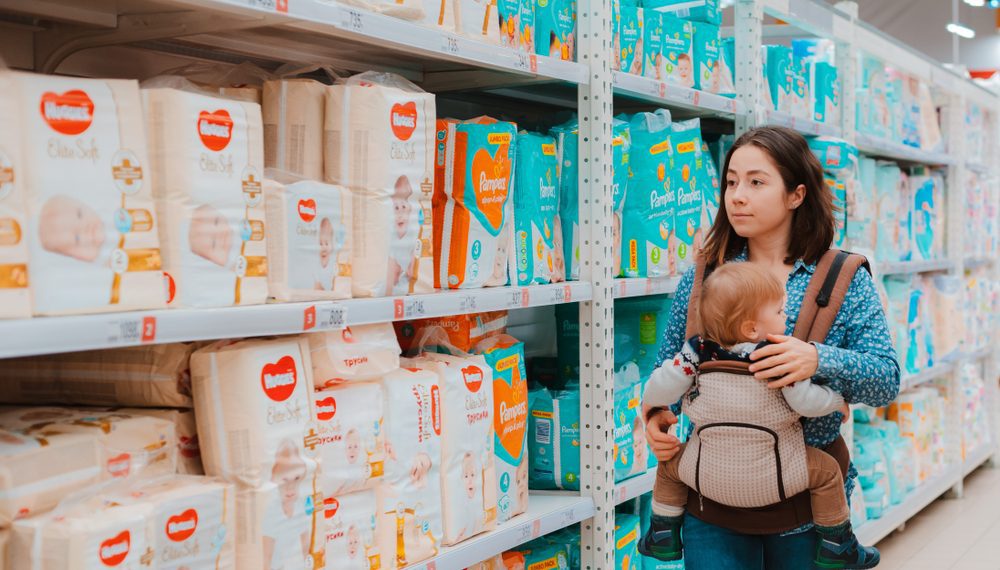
(748,448)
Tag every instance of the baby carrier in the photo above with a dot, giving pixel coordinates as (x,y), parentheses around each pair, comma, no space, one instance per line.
(745,461)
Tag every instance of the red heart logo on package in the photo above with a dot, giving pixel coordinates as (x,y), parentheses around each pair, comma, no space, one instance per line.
(189,447)
(510,414)
(403,120)
(70,113)
(326,409)
(113,551)
(307,210)
(491,183)
(181,527)
(436,409)
(279,379)
(120,465)
(330,507)
(215,129)
(473,376)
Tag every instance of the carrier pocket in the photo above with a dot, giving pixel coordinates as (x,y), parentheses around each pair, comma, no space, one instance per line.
(739,465)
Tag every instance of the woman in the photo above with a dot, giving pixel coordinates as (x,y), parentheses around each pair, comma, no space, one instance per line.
(776,210)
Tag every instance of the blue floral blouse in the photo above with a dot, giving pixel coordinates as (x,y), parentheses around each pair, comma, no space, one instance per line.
(857,359)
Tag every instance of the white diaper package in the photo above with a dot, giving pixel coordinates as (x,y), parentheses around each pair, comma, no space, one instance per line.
(409,520)
(412,10)
(186,429)
(15,296)
(441,14)
(478,19)
(309,246)
(351,540)
(279,525)
(351,442)
(208,164)
(91,228)
(468,465)
(151,375)
(253,403)
(379,137)
(292,112)
(359,353)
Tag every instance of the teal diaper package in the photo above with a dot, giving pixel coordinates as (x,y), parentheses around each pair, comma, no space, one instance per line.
(695,10)
(653,64)
(627,542)
(840,173)
(640,324)
(778,72)
(648,218)
(904,216)
(568,341)
(568,156)
(568,538)
(887,179)
(727,59)
(631,452)
(555,28)
(708,72)
(710,200)
(678,50)
(526,25)
(862,210)
(825,92)
(554,439)
(872,104)
(689,184)
(536,206)
(798,104)
(540,555)
(927,195)
(627,23)
(897,291)
(621,145)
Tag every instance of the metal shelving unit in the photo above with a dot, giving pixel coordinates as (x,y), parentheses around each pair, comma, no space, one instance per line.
(642,286)
(910,267)
(931,374)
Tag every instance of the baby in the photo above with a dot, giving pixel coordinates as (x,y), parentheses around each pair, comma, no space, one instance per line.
(327,266)
(210,235)
(400,252)
(69,227)
(685,70)
(742,303)
(287,526)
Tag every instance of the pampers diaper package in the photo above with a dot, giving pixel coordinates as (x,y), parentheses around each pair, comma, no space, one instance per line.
(695,10)
(652,45)
(840,173)
(86,184)
(463,331)
(825,92)
(927,215)
(678,50)
(887,178)
(358,353)
(713,194)
(690,185)
(350,442)
(567,138)
(628,36)
(292,111)
(627,542)
(555,28)
(473,203)
(15,296)
(505,355)
(707,71)
(379,144)
(409,518)
(779,73)
(207,162)
(350,528)
(862,209)
(537,247)
(554,439)
(621,149)
(631,454)
(648,218)
(309,240)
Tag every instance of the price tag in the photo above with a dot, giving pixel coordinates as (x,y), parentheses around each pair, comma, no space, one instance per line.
(732,106)
(468,304)
(414,308)
(309,318)
(558,295)
(568,293)
(514,299)
(536,529)
(449,44)
(696,98)
(649,286)
(129,331)
(432,565)
(622,493)
(282,6)
(525,297)
(623,288)
(663,90)
(524,533)
(331,317)
(270,5)
(522,61)
(352,20)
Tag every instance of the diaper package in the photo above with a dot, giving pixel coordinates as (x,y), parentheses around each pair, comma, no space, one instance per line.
(678,50)
(253,404)
(526,25)
(536,206)
(509,16)
(90,226)
(350,531)
(194,522)
(186,430)
(468,464)
(152,375)
(568,342)
(927,215)
(473,205)
(621,149)
(410,518)
(863,209)
(905,217)
(309,240)
(554,439)
(652,45)
(539,554)
(627,542)
(15,295)
(707,71)
(292,113)
(887,179)
(799,103)
(567,138)
(494,563)
(840,173)
(505,356)
(631,454)
(207,162)
(555,28)
(463,331)
(872,105)
(640,324)
(825,92)
(648,218)
(350,443)
(279,525)
(379,144)
(359,353)
(713,193)
(779,75)
(441,14)
(478,19)
(695,10)
(688,181)
(629,38)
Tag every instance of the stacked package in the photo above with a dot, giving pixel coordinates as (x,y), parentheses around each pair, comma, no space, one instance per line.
(920,415)
(975,415)
(817,56)
(896,107)
(887,462)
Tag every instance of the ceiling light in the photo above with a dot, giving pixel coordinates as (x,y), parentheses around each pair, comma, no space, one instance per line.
(976,3)
(961,31)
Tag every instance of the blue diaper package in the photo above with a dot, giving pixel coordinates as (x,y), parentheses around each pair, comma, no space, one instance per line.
(798,104)
(653,64)
(555,29)
(621,146)
(631,453)
(727,59)
(690,185)
(825,92)
(887,180)
(627,24)
(640,324)
(568,341)
(710,200)
(536,206)
(872,104)
(695,10)
(539,555)
(627,542)
(778,73)
(840,173)
(554,439)
(569,539)
(568,154)
(926,217)
(678,50)
(648,218)
(708,74)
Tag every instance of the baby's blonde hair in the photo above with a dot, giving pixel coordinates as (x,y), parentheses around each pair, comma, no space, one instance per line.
(732,295)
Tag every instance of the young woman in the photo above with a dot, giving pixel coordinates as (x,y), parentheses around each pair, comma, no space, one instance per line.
(776,210)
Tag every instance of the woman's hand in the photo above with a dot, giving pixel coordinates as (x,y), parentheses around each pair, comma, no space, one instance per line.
(787,361)
(664,445)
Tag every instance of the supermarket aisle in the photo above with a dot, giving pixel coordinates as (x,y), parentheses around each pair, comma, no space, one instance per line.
(960,534)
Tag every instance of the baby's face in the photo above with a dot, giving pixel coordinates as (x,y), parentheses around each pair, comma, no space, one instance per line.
(401,209)
(287,473)
(353,542)
(325,242)
(770,319)
(210,235)
(469,476)
(352,441)
(684,69)
(69,227)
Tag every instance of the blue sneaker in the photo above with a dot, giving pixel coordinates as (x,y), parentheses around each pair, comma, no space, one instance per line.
(663,539)
(838,549)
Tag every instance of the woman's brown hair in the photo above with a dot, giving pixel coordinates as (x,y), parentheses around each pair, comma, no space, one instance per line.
(812,222)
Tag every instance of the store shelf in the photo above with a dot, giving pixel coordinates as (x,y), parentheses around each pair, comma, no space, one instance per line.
(641,286)
(44,335)
(910,267)
(975,262)
(635,487)
(804,126)
(875,530)
(979,168)
(875,146)
(546,513)
(925,376)
(671,95)
(976,459)
(980,353)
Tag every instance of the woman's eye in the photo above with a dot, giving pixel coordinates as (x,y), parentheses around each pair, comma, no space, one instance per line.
(730,183)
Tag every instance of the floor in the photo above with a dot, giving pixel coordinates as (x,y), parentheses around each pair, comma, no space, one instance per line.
(961,534)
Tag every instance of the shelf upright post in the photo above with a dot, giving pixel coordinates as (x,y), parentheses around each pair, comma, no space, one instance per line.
(596,106)
(846,54)
(748,34)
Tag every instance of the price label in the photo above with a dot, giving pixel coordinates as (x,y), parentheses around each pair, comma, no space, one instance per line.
(131,330)
(533,59)
(649,286)
(432,565)
(794,124)
(522,61)
(309,318)
(525,297)
(536,529)
(514,299)
(449,44)
(696,98)
(558,295)
(732,106)
(568,293)
(414,308)
(331,317)
(622,493)
(623,288)
(269,5)
(663,90)
(524,533)
(468,304)
(569,517)
(352,20)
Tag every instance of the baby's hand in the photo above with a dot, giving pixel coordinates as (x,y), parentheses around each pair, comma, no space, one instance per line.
(846,410)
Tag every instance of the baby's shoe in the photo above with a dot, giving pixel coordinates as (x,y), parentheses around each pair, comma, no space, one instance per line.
(838,548)
(663,539)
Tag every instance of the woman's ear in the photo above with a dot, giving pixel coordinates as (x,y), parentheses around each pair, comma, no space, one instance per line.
(748,329)
(796,197)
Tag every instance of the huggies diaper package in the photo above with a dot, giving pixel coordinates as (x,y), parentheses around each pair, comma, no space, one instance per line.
(652,45)
(629,41)
(473,203)
(463,331)
(379,132)
(410,518)
(359,353)
(554,439)
(825,92)
(678,50)
(15,296)
(351,540)
(478,19)
(627,542)
(441,14)
(536,206)
(690,185)
(695,10)
(309,240)
(648,218)
(351,442)
(292,113)
(555,28)
(505,355)
(207,158)
(186,430)
(621,148)
(91,230)
(151,375)
(280,525)
(468,464)
(707,71)
(194,522)
(568,152)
